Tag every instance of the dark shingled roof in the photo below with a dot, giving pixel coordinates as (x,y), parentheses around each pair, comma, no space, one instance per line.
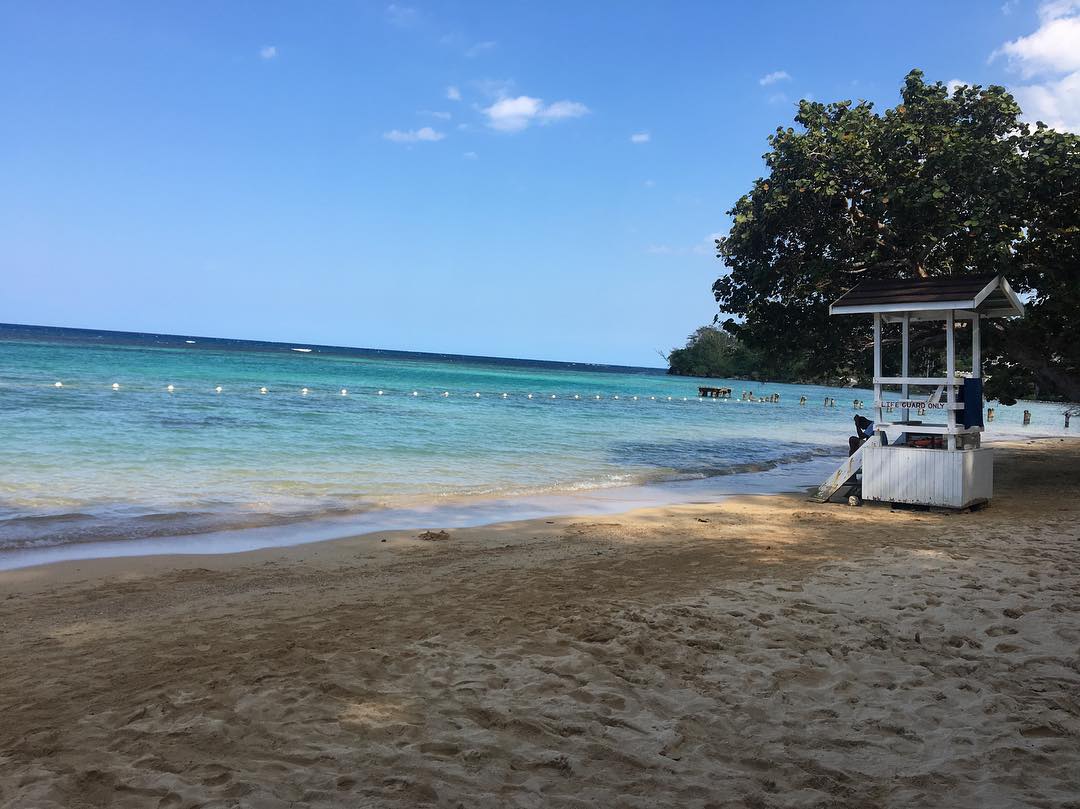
(929,298)
(915,290)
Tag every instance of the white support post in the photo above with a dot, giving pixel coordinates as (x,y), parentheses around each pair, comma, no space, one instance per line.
(976,349)
(877,372)
(905,360)
(950,374)
(976,362)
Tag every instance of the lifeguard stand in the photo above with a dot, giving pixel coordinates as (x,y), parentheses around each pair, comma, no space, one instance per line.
(908,460)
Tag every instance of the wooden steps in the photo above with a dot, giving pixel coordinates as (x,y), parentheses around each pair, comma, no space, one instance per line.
(844,472)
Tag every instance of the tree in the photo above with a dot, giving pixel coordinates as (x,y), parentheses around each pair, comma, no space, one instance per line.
(708,352)
(942,184)
(711,352)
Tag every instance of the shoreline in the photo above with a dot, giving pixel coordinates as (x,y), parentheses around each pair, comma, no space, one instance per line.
(455,512)
(142,560)
(761,651)
(458,512)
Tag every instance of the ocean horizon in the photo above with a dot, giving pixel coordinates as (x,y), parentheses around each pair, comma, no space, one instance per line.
(85,336)
(202,438)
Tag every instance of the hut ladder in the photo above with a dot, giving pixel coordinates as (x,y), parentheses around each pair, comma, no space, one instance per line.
(846,471)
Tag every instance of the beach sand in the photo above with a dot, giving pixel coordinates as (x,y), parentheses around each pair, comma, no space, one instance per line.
(761,652)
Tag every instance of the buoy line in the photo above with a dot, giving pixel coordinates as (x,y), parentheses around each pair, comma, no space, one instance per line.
(265,390)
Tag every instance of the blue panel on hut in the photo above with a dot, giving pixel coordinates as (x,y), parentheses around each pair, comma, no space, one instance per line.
(972,397)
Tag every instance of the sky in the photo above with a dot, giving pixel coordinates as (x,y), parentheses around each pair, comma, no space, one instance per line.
(527,179)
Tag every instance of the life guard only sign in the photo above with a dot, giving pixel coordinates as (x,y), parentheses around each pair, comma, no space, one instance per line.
(914,404)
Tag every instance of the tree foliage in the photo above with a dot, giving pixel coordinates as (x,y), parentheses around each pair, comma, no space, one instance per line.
(711,352)
(942,184)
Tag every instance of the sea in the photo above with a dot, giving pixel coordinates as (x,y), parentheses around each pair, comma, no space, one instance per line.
(115,443)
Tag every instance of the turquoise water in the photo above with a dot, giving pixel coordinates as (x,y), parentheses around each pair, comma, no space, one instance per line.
(84,462)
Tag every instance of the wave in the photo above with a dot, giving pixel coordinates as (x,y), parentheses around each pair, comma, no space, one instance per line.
(113,522)
(43,530)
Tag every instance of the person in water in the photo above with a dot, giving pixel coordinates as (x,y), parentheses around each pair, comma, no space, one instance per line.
(864,429)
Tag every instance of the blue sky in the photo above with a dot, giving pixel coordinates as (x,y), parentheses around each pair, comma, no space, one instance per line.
(508,178)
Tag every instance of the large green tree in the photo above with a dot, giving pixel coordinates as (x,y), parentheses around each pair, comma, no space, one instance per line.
(942,184)
(710,352)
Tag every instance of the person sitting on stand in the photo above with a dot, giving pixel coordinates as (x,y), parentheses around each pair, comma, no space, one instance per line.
(864,429)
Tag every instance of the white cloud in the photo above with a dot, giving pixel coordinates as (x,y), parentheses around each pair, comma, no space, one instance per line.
(706,247)
(774,77)
(268,52)
(952,84)
(425,133)
(453,93)
(516,114)
(513,114)
(1051,56)
(440,114)
(495,89)
(1054,47)
(1052,9)
(479,48)
(400,15)
(1009,6)
(1055,103)
(640,137)
(470,155)
(563,109)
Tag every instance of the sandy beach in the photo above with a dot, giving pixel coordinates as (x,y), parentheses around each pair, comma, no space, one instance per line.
(762,652)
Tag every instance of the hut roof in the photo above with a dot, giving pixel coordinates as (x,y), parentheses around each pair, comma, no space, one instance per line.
(928,298)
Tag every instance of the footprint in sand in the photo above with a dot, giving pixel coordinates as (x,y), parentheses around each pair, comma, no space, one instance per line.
(1050,730)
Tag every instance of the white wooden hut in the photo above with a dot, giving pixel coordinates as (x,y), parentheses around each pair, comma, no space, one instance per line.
(913,457)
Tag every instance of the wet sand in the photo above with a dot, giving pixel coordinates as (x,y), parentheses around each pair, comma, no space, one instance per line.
(761,652)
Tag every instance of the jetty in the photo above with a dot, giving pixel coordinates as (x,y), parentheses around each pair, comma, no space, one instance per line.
(707,392)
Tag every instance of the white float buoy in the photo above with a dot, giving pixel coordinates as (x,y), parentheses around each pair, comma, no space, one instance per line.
(635,398)
(598,396)
(614,397)
(504,395)
(169,388)
(380,393)
(217,389)
(262,390)
(446,393)
(477,395)
(116,386)
(303,391)
(576,396)
(58,384)
(530,395)
(344,392)
(414,393)
(669,398)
